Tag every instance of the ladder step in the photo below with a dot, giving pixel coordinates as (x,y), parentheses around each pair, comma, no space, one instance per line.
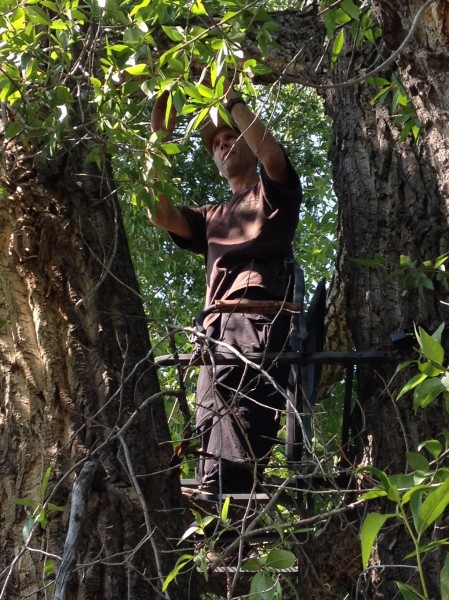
(230,569)
(350,357)
(189,487)
(203,496)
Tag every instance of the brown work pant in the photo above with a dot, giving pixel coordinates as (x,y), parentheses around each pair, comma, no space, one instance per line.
(238,408)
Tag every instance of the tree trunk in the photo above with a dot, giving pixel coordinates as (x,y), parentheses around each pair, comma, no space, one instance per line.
(77,385)
(393,201)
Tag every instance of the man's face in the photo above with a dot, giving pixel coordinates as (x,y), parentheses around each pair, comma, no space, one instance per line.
(231,153)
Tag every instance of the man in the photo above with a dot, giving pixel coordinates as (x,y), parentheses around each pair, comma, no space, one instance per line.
(247,245)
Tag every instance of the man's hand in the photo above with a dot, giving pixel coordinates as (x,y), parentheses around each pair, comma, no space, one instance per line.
(258,137)
(164,215)
(159,120)
(229,91)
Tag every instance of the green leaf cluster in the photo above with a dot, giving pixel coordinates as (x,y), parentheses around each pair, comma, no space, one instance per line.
(421,496)
(347,19)
(425,276)
(432,379)
(420,500)
(41,509)
(348,22)
(401,109)
(265,585)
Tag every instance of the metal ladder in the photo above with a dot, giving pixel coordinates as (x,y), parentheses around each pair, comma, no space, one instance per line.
(305,356)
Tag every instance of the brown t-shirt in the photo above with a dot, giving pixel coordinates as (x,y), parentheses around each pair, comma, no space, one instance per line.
(246,241)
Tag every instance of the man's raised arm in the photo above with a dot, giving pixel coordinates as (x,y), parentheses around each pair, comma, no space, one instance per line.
(259,138)
(164,215)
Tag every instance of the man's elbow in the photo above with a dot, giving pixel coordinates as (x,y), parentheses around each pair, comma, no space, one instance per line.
(171,221)
(154,217)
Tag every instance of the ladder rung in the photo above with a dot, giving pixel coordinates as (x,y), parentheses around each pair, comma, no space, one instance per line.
(293,358)
(231,569)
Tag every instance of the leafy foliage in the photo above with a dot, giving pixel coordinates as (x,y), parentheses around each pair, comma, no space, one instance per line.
(41,509)
(422,495)
(401,109)
(347,19)
(424,276)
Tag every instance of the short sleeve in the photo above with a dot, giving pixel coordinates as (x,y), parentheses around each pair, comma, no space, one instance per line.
(293,188)
(196,218)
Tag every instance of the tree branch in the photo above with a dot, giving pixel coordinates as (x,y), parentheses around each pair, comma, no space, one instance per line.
(79,503)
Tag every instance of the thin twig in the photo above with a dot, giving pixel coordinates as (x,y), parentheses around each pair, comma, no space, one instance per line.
(146,512)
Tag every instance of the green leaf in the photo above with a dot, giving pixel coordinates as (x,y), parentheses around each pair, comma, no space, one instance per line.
(429,369)
(385,482)
(341,17)
(408,592)
(370,528)
(205,91)
(415,496)
(197,527)
(338,46)
(431,348)
(37,15)
(404,481)
(176,34)
(12,130)
(378,81)
(351,9)
(433,446)
(252,564)
(433,507)
(436,335)
(225,508)
(280,559)
(140,69)
(264,585)
(55,508)
(405,261)
(409,494)
(412,383)
(444,580)
(418,462)
(171,148)
(49,4)
(440,261)
(29,524)
(25,502)
(180,563)
(427,548)
(198,8)
(50,567)
(42,518)
(329,18)
(373,494)
(44,484)
(426,393)
(190,531)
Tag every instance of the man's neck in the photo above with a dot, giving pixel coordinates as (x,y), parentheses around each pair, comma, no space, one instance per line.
(243,182)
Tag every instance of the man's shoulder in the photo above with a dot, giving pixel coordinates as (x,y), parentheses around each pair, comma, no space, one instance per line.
(196,210)
(291,189)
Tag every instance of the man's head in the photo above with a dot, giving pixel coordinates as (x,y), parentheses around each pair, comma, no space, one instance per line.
(228,148)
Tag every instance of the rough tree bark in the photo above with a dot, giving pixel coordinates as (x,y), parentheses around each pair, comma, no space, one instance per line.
(392,200)
(77,383)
